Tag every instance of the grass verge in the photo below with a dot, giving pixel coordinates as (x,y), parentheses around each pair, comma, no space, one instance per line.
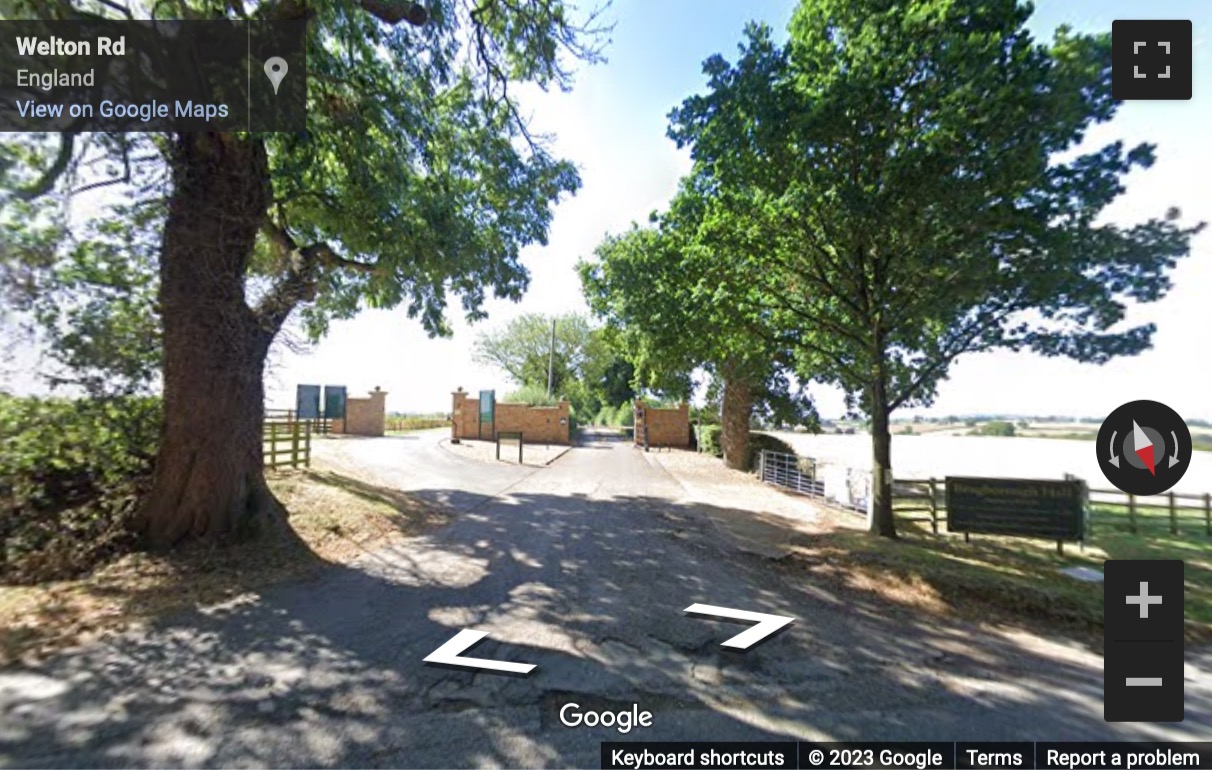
(1001,578)
(336,518)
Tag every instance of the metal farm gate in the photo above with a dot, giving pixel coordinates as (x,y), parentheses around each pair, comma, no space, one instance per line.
(846,487)
(790,472)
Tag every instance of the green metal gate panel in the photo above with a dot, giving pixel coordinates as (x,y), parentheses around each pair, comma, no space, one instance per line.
(334,402)
(488,413)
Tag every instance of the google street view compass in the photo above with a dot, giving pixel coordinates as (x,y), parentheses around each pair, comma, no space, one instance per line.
(1144,447)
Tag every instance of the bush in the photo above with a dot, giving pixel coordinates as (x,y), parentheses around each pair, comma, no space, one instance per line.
(625,414)
(604,416)
(531,395)
(995,428)
(760,441)
(708,439)
(70,474)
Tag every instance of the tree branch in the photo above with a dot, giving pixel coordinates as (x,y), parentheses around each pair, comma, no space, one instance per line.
(390,12)
(122,9)
(960,343)
(394,11)
(67,145)
(124,179)
(494,72)
(300,281)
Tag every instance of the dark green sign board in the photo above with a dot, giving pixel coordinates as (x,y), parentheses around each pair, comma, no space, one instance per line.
(488,408)
(1043,508)
(334,402)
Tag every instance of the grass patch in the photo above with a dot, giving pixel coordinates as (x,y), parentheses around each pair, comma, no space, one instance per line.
(1149,521)
(1010,579)
(336,520)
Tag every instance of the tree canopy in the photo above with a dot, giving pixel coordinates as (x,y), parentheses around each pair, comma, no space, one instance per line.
(671,293)
(416,181)
(416,178)
(585,366)
(925,193)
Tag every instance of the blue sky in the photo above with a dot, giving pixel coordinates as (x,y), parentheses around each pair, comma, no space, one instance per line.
(613,126)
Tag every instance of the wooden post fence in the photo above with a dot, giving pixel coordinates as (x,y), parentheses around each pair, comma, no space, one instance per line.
(934,506)
(1178,513)
(286,442)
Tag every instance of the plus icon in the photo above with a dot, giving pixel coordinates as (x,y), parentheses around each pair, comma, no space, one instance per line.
(1144,600)
(1143,640)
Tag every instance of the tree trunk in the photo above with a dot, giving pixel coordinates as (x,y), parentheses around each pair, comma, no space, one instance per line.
(737,409)
(209,482)
(882,521)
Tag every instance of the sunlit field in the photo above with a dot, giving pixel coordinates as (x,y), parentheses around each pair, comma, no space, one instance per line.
(919,457)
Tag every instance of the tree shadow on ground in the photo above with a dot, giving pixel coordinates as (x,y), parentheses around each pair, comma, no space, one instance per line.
(328,671)
(1021,579)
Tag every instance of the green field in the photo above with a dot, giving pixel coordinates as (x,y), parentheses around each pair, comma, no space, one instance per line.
(1188,517)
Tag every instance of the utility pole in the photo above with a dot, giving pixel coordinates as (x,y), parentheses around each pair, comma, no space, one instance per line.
(551,361)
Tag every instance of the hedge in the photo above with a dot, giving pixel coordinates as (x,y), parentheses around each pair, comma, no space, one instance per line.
(760,441)
(70,474)
(708,439)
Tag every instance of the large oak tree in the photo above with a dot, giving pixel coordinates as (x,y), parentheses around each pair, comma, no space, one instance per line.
(416,179)
(921,171)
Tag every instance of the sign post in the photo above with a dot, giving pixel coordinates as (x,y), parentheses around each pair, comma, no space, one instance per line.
(1043,508)
(510,436)
(334,402)
(488,413)
(307,402)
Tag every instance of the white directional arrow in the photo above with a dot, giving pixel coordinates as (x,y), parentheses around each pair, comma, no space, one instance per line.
(450,654)
(1139,439)
(1173,457)
(1114,457)
(766,624)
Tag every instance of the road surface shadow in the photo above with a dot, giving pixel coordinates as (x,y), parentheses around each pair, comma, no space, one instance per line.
(329,672)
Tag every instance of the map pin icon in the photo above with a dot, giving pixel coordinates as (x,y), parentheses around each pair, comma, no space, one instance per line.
(275,70)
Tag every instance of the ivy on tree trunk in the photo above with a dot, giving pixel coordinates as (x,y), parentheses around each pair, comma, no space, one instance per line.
(209,480)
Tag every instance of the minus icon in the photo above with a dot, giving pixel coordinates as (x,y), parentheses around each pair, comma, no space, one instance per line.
(1144,681)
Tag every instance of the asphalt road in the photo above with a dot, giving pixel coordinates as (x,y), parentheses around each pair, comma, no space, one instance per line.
(582,568)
